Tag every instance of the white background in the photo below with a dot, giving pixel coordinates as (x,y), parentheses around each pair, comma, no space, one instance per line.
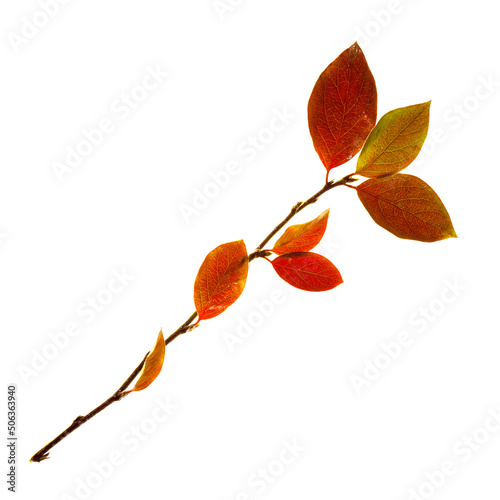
(291,379)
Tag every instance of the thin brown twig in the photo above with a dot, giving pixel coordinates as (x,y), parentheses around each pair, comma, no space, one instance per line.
(187,326)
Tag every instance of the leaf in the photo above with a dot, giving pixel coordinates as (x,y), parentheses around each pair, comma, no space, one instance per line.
(308,271)
(221,279)
(395,142)
(407,207)
(302,237)
(152,366)
(342,109)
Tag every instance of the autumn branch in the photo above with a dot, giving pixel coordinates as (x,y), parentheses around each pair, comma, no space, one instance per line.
(342,113)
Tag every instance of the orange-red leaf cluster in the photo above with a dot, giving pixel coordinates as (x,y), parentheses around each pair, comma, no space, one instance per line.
(342,112)
(299,267)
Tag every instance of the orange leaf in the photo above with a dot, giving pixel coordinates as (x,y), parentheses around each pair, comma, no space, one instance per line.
(221,279)
(308,271)
(152,366)
(407,207)
(342,109)
(302,237)
(395,142)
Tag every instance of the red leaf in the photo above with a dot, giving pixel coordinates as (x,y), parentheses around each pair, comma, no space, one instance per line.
(152,366)
(308,271)
(342,109)
(302,237)
(221,279)
(407,207)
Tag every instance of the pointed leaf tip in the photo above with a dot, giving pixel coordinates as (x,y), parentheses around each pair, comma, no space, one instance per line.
(152,366)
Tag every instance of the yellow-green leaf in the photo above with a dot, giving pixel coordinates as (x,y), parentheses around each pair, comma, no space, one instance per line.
(395,141)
